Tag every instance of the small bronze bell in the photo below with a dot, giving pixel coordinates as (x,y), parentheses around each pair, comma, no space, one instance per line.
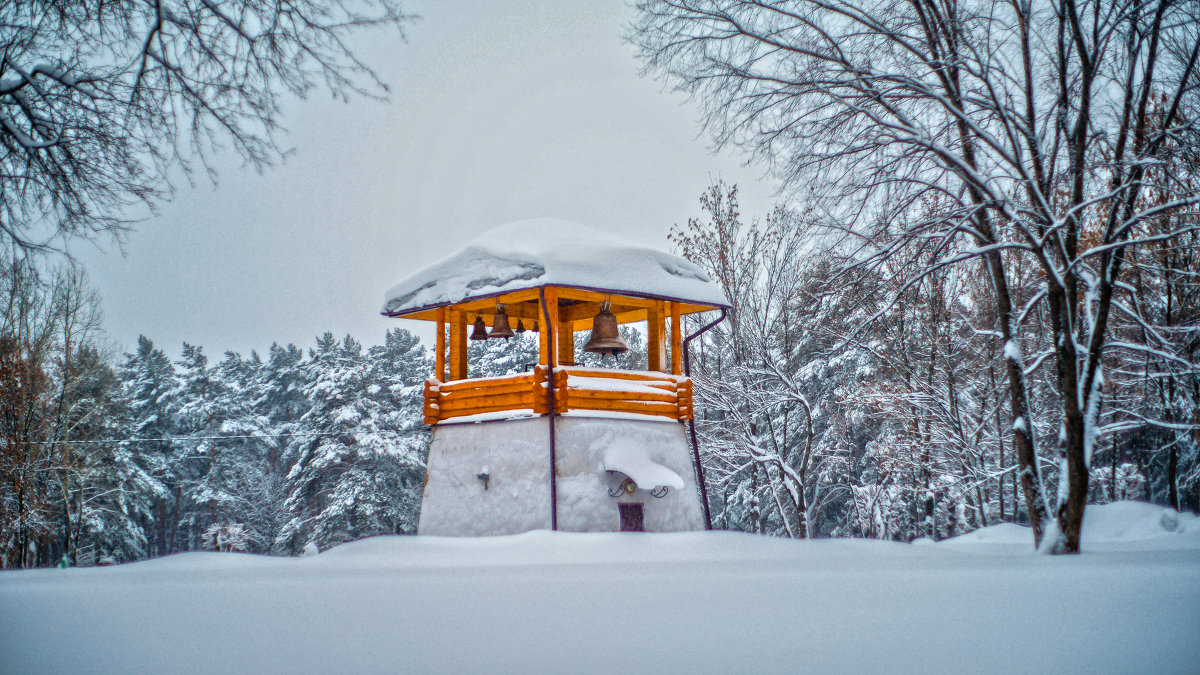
(535,328)
(520,327)
(479,331)
(605,338)
(500,327)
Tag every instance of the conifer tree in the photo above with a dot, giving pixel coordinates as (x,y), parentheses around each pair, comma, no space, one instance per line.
(355,473)
(147,381)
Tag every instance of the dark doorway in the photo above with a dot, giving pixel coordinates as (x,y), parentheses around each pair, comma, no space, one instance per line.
(631,518)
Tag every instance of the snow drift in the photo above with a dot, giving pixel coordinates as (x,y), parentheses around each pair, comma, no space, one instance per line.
(603,602)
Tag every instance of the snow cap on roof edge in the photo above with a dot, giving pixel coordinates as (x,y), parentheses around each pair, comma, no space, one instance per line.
(532,253)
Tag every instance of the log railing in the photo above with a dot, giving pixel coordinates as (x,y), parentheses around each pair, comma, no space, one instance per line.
(462,398)
(594,389)
(628,391)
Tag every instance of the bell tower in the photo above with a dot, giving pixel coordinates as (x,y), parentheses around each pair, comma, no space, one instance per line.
(559,446)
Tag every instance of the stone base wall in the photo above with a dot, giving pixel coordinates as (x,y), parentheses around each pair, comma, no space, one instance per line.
(516,456)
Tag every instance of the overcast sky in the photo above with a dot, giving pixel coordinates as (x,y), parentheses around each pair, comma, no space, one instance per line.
(497,114)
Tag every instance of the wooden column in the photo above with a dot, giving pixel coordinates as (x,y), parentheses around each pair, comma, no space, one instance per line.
(566,342)
(546,337)
(458,345)
(655,337)
(439,360)
(676,340)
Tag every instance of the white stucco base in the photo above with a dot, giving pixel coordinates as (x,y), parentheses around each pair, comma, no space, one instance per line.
(516,455)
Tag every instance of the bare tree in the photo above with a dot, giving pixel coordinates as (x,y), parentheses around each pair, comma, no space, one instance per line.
(77,307)
(29,325)
(101,100)
(1030,122)
(758,421)
(49,337)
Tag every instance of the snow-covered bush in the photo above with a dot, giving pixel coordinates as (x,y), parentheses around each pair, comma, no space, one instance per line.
(226,537)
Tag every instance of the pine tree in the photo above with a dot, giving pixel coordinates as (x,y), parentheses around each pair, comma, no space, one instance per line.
(226,444)
(494,357)
(358,470)
(115,491)
(147,382)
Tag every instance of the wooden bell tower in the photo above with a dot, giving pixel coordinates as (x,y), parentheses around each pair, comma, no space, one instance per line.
(561,446)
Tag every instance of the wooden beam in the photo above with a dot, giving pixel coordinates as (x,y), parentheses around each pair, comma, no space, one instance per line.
(566,342)
(676,340)
(641,407)
(587,311)
(528,311)
(641,376)
(546,337)
(626,317)
(487,403)
(604,395)
(567,293)
(458,345)
(488,305)
(655,338)
(486,382)
(447,415)
(494,390)
(439,359)
(622,303)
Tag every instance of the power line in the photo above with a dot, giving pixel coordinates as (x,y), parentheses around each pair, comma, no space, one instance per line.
(206,438)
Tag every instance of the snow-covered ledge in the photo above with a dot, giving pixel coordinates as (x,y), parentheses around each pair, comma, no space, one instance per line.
(633,460)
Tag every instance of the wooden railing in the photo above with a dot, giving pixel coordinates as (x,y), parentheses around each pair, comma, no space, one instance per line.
(462,398)
(621,391)
(628,391)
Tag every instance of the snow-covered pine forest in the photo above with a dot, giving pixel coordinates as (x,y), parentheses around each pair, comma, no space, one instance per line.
(823,411)
(141,454)
(146,453)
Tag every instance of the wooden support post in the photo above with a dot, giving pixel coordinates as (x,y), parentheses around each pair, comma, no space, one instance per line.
(439,360)
(458,345)
(566,342)
(655,338)
(546,338)
(676,340)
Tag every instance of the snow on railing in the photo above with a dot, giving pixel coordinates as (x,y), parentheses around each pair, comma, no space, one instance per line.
(582,389)
(629,391)
(462,398)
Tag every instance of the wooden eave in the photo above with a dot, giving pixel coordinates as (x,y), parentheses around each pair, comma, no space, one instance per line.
(577,305)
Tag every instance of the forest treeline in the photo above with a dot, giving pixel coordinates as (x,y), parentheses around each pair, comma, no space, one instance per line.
(827,405)
(841,399)
(981,305)
(1003,193)
(136,455)
(139,455)
(834,400)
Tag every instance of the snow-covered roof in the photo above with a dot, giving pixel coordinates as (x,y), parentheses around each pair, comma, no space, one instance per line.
(631,459)
(548,251)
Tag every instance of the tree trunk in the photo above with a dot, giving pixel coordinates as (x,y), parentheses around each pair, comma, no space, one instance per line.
(1113,472)
(1173,476)
(1030,473)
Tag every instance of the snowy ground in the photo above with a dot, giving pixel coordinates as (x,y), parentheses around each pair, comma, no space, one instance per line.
(709,602)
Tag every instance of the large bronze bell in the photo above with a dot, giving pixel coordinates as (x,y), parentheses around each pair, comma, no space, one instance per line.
(605,338)
(500,327)
(479,331)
